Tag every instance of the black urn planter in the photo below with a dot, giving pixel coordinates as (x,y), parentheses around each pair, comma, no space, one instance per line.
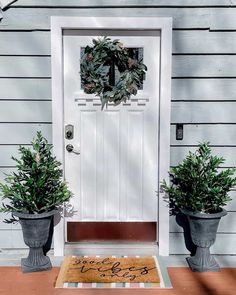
(203,229)
(35,228)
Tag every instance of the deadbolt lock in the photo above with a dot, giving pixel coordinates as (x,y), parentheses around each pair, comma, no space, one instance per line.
(69,132)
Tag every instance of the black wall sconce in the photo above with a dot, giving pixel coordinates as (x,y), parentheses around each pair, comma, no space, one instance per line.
(179,131)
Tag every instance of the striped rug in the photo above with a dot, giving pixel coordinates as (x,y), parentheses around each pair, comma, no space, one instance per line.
(61,284)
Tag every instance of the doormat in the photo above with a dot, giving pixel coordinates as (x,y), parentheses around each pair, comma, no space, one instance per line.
(109,272)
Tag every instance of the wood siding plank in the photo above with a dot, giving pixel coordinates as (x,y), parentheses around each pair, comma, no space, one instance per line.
(146,3)
(7,226)
(203,112)
(203,89)
(4,171)
(188,42)
(25,43)
(21,66)
(39,18)
(226,225)
(216,134)
(178,153)
(25,88)
(11,239)
(183,66)
(25,111)
(224,244)
(3,226)
(186,17)
(17,133)
(195,66)
(231,206)
(6,152)
(223,19)
(198,42)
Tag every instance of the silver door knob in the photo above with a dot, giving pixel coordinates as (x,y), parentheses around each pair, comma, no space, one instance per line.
(70,149)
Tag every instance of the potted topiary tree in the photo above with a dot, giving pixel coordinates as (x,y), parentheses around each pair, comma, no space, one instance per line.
(199,190)
(34,194)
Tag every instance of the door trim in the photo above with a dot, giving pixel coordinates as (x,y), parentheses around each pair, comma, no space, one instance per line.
(162,24)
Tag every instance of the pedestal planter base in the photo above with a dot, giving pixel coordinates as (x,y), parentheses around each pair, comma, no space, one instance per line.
(203,261)
(36,261)
(29,268)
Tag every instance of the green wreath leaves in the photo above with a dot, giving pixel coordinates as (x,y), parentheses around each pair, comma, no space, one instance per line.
(95,68)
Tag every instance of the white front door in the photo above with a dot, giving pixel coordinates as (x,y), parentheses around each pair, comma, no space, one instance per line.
(114,174)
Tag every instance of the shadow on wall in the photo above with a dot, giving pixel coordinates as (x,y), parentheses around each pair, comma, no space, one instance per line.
(182,221)
(68,212)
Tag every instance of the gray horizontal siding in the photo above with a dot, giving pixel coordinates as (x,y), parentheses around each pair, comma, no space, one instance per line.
(223,19)
(25,89)
(39,18)
(183,66)
(184,17)
(224,244)
(219,134)
(204,89)
(182,89)
(182,112)
(184,42)
(203,84)
(25,111)
(22,66)
(203,42)
(145,3)
(178,153)
(28,43)
(231,206)
(204,66)
(203,112)
(6,152)
(226,225)
(22,133)
(5,226)
(11,238)
(3,172)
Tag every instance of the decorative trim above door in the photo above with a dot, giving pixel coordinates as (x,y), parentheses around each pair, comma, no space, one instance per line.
(163,25)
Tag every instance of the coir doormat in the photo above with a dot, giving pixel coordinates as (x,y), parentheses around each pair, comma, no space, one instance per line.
(80,272)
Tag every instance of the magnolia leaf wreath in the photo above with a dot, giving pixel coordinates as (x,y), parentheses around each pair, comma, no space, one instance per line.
(95,66)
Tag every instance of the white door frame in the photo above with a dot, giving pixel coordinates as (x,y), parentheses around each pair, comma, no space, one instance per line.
(58,24)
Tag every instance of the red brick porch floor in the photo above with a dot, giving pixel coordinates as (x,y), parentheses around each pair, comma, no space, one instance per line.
(185,282)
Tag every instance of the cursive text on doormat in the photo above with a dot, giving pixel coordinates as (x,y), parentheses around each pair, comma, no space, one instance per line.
(109,269)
